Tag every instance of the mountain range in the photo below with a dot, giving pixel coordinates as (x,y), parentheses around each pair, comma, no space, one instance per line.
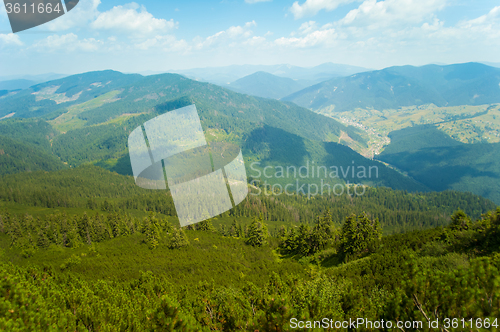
(305,75)
(92,114)
(87,118)
(262,84)
(395,87)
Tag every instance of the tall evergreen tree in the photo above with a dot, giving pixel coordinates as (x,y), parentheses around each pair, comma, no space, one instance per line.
(257,233)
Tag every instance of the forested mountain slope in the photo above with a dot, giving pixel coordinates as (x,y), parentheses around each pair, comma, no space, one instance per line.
(395,87)
(47,97)
(270,132)
(441,163)
(16,156)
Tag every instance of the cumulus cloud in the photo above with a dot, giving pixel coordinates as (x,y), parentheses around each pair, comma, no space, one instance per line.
(392,12)
(10,39)
(68,42)
(133,19)
(233,33)
(307,27)
(325,37)
(312,7)
(493,17)
(80,16)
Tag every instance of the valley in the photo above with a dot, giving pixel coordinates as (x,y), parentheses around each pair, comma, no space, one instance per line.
(466,124)
(419,186)
(250,165)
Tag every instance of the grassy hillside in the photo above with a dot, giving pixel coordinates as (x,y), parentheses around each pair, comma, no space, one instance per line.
(395,87)
(271,133)
(44,98)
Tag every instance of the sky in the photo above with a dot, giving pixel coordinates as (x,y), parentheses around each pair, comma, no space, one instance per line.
(157,36)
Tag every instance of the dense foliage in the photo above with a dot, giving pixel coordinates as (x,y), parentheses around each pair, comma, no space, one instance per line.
(96,189)
(16,156)
(416,276)
(442,163)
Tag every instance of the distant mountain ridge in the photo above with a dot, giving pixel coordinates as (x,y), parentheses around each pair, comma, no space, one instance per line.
(394,87)
(309,75)
(17,84)
(44,98)
(263,84)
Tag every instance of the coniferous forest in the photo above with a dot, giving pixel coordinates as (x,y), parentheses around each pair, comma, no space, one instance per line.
(86,250)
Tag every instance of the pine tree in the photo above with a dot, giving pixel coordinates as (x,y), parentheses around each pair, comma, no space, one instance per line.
(178,239)
(460,220)
(303,240)
(290,245)
(257,233)
(360,235)
(42,241)
(205,225)
(152,231)
(322,233)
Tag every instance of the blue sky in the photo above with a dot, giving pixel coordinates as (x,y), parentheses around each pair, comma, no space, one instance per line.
(167,35)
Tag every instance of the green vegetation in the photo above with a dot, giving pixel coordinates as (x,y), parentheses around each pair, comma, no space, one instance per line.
(85,249)
(103,273)
(466,124)
(69,120)
(33,131)
(441,163)
(97,130)
(95,189)
(395,87)
(55,96)
(18,157)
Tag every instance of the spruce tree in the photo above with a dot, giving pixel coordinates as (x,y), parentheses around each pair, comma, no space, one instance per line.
(257,233)
(178,239)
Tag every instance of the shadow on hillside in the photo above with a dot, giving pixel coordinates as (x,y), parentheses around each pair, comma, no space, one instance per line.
(276,145)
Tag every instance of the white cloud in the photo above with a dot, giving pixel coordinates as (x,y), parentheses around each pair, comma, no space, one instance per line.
(128,19)
(312,7)
(256,1)
(10,39)
(387,13)
(256,41)
(491,18)
(69,43)
(316,38)
(232,34)
(85,12)
(307,27)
